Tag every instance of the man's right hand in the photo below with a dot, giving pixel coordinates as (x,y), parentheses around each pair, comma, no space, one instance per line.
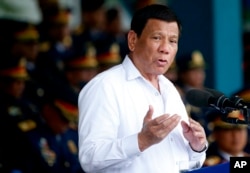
(155,130)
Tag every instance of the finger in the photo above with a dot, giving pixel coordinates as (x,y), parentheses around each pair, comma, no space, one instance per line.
(194,125)
(149,114)
(193,121)
(197,129)
(159,120)
(170,123)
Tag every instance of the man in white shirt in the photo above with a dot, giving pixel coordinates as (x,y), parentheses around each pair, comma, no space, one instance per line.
(131,117)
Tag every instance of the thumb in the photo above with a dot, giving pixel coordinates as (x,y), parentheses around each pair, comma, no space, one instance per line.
(149,115)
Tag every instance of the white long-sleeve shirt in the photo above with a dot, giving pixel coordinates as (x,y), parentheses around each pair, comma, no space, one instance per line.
(112,107)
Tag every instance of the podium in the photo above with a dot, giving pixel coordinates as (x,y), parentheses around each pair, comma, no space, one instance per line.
(220,168)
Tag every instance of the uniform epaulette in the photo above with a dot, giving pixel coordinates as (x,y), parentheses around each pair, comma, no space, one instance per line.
(27,125)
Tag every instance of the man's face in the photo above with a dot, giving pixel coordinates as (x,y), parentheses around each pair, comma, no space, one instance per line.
(232,141)
(154,51)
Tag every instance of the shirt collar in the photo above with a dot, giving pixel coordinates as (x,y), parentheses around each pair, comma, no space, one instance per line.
(131,71)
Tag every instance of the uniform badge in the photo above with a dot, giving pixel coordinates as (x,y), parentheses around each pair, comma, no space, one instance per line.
(72,147)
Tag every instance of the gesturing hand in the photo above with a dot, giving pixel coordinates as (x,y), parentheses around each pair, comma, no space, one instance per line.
(195,134)
(155,130)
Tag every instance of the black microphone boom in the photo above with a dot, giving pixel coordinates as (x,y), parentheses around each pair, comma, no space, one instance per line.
(205,98)
(236,100)
(199,98)
(212,98)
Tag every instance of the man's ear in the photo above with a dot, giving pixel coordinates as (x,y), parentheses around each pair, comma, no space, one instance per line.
(132,37)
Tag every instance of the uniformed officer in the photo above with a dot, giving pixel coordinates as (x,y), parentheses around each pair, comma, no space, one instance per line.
(61,117)
(191,70)
(244,94)
(92,28)
(20,40)
(108,55)
(115,31)
(81,68)
(34,140)
(18,117)
(191,74)
(227,139)
(56,46)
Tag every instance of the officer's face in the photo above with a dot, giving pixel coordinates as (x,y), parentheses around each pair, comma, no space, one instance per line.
(232,140)
(194,77)
(16,88)
(154,51)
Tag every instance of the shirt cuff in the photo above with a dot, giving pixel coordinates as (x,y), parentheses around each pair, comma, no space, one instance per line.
(130,145)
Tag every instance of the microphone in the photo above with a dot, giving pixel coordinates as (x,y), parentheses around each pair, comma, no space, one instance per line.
(207,97)
(199,98)
(238,102)
(212,98)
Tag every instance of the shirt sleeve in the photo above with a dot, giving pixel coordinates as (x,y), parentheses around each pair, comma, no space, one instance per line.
(99,146)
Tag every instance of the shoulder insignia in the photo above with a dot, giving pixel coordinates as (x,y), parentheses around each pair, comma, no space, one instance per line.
(27,125)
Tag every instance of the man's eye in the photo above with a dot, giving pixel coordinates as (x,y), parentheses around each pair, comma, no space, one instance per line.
(173,41)
(156,38)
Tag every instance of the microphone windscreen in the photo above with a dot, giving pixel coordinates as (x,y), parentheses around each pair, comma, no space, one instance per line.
(198,98)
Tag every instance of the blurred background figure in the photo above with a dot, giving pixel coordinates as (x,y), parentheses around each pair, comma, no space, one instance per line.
(114,31)
(192,74)
(21,40)
(19,117)
(56,42)
(244,94)
(191,70)
(35,139)
(78,70)
(108,55)
(59,136)
(226,140)
(101,28)
(81,68)
(25,44)
(55,47)
(92,26)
